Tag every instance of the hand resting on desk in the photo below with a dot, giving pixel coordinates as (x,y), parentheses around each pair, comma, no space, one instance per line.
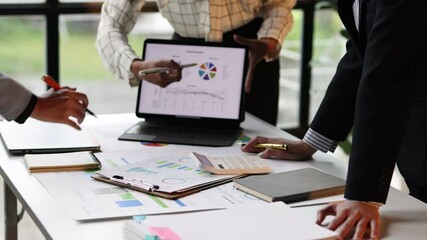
(349,215)
(296,150)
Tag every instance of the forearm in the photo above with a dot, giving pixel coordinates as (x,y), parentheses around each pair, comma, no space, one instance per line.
(278,20)
(335,116)
(15,100)
(28,110)
(319,142)
(118,17)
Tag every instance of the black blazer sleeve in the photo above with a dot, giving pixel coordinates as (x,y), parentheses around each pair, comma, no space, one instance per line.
(375,92)
(334,119)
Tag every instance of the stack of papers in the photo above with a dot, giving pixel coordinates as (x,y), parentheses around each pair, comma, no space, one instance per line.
(169,177)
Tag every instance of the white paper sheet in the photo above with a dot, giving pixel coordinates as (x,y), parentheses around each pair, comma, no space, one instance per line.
(250,222)
(85,198)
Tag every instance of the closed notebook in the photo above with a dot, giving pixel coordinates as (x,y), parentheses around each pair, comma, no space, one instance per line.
(292,186)
(53,162)
(45,137)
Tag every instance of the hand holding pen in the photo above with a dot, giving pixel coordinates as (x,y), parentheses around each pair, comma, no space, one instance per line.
(143,73)
(161,72)
(59,105)
(55,85)
(279,148)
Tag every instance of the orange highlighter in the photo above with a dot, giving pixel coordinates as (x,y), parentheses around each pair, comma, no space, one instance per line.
(55,85)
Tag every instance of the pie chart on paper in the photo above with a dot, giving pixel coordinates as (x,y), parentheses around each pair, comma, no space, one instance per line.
(207,71)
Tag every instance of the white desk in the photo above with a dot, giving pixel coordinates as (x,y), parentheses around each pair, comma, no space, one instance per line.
(402,218)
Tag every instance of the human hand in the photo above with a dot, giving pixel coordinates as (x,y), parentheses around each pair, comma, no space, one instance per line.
(58,106)
(352,214)
(258,50)
(297,150)
(161,79)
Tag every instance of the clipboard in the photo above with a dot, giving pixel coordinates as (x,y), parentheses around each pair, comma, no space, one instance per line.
(167,195)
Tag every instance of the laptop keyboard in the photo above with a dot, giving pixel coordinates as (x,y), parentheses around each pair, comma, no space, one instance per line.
(181,133)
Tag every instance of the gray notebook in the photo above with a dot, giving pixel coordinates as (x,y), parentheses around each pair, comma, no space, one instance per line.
(292,186)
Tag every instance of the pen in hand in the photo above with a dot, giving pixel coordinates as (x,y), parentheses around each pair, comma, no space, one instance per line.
(55,85)
(277,146)
(142,73)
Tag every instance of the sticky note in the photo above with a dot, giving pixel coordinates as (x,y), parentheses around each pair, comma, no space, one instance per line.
(164,233)
(139,218)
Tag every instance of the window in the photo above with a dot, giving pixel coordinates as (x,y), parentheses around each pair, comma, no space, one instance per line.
(22,50)
(80,66)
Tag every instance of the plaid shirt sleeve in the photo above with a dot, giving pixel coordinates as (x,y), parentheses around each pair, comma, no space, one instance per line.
(278,21)
(189,19)
(118,17)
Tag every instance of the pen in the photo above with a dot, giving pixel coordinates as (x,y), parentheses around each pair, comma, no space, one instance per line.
(136,180)
(162,69)
(132,184)
(315,204)
(269,145)
(55,85)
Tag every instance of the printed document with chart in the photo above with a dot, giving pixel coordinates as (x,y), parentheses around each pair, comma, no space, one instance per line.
(174,176)
(87,199)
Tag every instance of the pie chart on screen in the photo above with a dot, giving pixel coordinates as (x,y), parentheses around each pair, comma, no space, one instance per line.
(207,71)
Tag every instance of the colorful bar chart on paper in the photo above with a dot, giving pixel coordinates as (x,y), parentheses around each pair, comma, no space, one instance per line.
(171,165)
(171,173)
